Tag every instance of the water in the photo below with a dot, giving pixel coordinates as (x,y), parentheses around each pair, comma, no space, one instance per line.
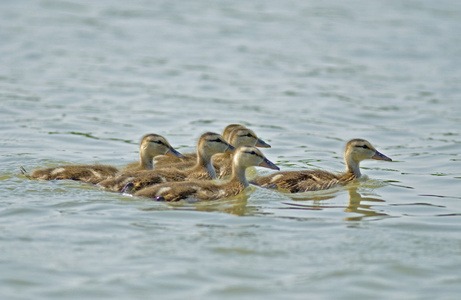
(82,81)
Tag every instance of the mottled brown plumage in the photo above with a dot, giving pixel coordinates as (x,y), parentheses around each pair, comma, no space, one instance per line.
(151,145)
(245,156)
(209,144)
(314,180)
(86,173)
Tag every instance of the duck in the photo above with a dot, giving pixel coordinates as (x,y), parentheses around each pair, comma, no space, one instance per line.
(190,158)
(209,144)
(239,136)
(244,157)
(151,145)
(356,151)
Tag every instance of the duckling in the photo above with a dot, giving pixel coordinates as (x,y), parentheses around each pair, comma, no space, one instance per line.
(190,158)
(151,145)
(313,180)
(238,137)
(209,144)
(245,156)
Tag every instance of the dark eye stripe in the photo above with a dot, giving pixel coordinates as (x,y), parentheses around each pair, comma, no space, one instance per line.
(158,142)
(218,141)
(253,153)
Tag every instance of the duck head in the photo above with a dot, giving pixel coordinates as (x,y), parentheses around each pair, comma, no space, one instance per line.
(358,150)
(154,144)
(249,156)
(211,143)
(244,136)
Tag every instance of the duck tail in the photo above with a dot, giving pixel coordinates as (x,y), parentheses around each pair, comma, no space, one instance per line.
(128,188)
(24,172)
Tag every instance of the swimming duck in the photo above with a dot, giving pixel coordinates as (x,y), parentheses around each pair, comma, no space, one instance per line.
(245,156)
(238,137)
(151,145)
(209,144)
(313,180)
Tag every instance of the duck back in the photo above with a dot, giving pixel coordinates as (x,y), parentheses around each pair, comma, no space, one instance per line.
(303,181)
(87,173)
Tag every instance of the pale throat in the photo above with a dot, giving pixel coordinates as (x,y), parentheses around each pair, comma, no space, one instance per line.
(204,160)
(146,160)
(210,170)
(238,173)
(353,166)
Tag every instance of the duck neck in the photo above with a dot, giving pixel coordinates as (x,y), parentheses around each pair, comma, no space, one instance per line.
(204,162)
(145,160)
(238,175)
(353,167)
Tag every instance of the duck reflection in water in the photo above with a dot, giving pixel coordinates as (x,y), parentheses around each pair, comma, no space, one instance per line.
(236,205)
(355,204)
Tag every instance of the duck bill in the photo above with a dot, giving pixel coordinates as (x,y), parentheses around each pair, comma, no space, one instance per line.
(379,156)
(262,144)
(172,152)
(268,164)
(230,149)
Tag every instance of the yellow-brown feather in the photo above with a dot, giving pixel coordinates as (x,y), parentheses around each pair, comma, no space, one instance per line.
(303,181)
(86,173)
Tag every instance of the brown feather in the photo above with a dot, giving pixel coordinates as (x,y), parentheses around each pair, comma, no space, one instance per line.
(176,162)
(303,181)
(142,179)
(203,190)
(86,173)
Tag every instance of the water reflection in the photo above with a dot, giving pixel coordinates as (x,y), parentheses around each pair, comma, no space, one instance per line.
(355,205)
(239,205)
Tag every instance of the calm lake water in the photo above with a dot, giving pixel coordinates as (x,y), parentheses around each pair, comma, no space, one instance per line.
(83,81)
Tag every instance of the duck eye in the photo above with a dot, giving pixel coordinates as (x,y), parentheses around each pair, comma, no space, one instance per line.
(365,147)
(216,140)
(252,152)
(159,142)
